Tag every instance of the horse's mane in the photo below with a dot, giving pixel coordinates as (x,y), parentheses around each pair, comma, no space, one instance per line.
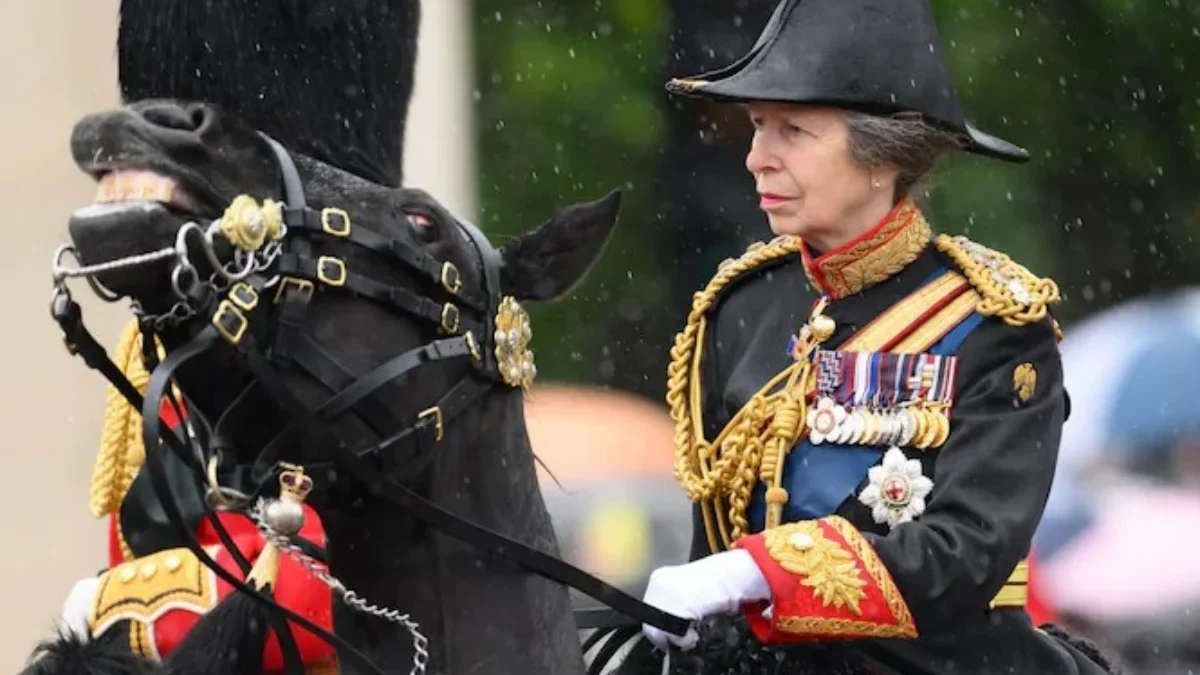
(68,654)
(331,79)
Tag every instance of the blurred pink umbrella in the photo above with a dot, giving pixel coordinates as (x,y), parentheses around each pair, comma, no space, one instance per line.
(1135,561)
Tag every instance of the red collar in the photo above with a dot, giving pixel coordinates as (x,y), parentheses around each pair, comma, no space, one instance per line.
(873,256)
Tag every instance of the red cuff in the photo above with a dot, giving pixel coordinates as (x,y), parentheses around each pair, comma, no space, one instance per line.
(827,583)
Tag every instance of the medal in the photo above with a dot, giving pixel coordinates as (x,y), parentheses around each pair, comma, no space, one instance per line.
(855,428)
(896,489)
(824,420)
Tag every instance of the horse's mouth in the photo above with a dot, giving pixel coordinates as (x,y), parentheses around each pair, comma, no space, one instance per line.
(131,185)
(136,211)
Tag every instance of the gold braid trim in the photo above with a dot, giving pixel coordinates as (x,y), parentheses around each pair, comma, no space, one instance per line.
(121,450)
(814,625)
(878,572)
(824,566)
(1007,290)
(729,466)
(877,257)
(119,457)
(831,570)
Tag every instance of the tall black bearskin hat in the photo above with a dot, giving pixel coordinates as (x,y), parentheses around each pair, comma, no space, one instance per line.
(876,56)
(331,79)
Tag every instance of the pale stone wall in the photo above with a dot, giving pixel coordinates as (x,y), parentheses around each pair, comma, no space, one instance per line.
(56,64)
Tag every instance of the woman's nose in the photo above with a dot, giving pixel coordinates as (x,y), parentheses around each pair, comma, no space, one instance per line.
(760,157)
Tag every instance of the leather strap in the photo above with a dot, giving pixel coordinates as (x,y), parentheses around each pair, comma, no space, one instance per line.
(336,224)
(151,429)
(326,369)
(332,272)
(401,496)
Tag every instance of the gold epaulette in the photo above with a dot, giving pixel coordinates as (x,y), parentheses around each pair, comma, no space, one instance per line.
(1007,290)
(145,589)
(758,253)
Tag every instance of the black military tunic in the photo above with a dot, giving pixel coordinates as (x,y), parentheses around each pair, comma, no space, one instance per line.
(934,580)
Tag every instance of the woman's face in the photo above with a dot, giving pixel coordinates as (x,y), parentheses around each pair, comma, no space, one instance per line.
(808,182)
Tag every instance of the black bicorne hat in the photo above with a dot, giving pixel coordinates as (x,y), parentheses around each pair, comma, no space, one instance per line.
(876,56)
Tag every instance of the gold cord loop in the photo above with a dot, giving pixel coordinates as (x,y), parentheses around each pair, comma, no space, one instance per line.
(721,474)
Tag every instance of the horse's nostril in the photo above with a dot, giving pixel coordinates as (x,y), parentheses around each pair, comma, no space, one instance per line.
(174,117)
(199,115)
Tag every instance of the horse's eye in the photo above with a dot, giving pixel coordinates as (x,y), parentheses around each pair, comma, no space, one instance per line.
(423,227)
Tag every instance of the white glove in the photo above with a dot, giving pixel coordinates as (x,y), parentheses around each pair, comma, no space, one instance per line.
(74,615)
(718,584)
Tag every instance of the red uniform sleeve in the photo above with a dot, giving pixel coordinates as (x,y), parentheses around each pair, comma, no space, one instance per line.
(827,583)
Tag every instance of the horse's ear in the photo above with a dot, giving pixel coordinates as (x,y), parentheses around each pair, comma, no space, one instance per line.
(548,262)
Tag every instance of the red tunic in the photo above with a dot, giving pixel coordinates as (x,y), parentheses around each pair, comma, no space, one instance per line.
(167,592)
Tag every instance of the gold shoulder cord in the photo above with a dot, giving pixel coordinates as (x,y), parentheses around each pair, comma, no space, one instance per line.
(1008,290)
(747,449)
(121,450)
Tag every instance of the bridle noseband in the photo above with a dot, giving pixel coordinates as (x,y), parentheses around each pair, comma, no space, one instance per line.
(259,313)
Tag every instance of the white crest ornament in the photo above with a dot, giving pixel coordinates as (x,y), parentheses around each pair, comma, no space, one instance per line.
(896,489)
(824,420)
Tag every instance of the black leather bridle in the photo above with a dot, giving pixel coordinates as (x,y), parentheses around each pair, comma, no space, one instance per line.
(259,316)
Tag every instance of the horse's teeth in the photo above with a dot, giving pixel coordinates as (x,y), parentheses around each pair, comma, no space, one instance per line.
(137,184)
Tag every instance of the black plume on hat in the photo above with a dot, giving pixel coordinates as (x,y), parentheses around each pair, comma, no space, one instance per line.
(876,56)
(331,79)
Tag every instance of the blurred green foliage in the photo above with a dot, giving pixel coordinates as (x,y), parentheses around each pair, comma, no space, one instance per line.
(1104,93)
(568,110)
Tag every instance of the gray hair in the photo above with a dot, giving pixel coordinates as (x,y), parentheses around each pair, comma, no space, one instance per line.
(902,142)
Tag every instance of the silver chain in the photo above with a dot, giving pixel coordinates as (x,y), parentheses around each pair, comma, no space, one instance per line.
(61,272)
(348,596)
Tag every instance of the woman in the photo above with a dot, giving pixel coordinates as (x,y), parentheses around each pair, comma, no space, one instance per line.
(867,414)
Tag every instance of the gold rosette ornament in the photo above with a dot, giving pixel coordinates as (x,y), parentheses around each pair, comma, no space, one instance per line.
(513,333)
(248,224)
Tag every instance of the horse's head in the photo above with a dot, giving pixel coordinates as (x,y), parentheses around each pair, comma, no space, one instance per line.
(346,276)
(383,319)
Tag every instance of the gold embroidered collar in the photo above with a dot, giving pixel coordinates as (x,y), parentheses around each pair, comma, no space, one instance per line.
(874,256)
